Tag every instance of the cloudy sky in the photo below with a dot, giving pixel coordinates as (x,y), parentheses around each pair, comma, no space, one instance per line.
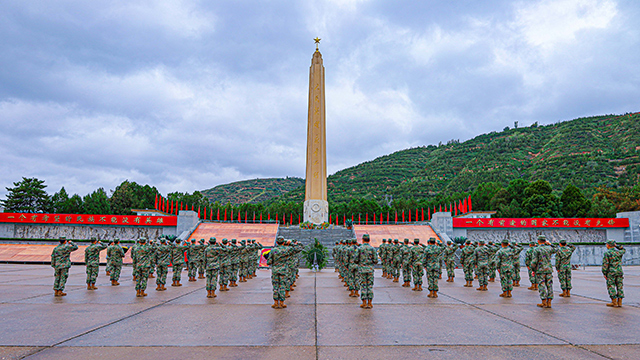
(186,95)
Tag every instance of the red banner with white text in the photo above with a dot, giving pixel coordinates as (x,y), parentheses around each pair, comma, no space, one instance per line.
(540,223)
(86,219)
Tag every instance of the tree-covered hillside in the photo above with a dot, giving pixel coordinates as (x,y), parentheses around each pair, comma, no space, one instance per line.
(252,191)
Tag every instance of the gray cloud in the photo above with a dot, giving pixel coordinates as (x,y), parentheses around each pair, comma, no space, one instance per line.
(188,95)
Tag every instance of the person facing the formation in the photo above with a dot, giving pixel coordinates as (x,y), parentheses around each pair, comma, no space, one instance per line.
(212,255)
(432,264)
(504,263)
(417,264)
(612,272)
(563,266)
(466,259)
(278,258)
(162,261)
(449,260)
(115,253)
(481,257)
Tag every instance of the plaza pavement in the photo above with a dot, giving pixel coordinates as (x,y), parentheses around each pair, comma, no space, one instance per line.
(321,321)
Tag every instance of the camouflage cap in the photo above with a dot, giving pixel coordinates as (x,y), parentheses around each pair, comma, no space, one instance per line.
(143,239)
(396,241)
(481,242)
(532,243)
(243,242)
(449,242)
(193,240)
(416,241)
(201,241)
(468,242)
(366,237)
(384,241)
(563,241)
(224,241)
(432,240)
(406,241)
(280,239)
(505,241)
(542,237)
(611,242)
(233,241)
(212,238)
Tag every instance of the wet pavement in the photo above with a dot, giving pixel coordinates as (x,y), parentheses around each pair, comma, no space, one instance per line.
(321,321)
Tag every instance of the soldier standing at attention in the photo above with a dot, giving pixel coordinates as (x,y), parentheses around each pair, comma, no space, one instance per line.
(405,251)
(527,261)
(354,286)
(192,260)
(396,260)
(212,255)
(177,261)
(466,258)
(92,261)
(334,255)
(163,257)
(366,258)
(61,262)
(145,255)
(449,260)
(134,258)
(432,265)
(115,253)
(517,249)
(225,264)
(235,258)
(200,259)
(108,268)
(504,263)
(417,264)
(563,266)
(482,255)
(278,258)
(381,250)
(612,272)
(492,265)
(541,266)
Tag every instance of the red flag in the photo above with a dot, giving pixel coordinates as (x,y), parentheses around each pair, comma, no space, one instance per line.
(396,216)
(440,208)
(470,207)
(352,218)
(416,215)
(298,218)
(205,213)
(381,219)
(291,219)
(387,217)
(246,217)
(359,218)
(409,215)
(191,207)
(218,214)
(422,209)
(344,219)
(402,215)
(254,217)
(374,218)
(367,219)
(261,217)
(456,208)
(277,218)
(198,212)
(211,215)
(429,214)
(239,220)
(156,204)
(269,215)
(225,214)
(231,218)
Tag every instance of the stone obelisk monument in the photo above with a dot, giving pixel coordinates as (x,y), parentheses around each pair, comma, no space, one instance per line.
(316,207)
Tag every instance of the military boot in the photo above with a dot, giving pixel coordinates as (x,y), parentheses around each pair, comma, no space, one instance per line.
(492,279)
(108,272)
(276,303)
(282,305)
(364,304)
(543,303)
(178,283)
(151,276)
(209,294)
(516,284)
(619,302)
(233,284)
(480,288)
(415,287)
(504,294)
(568,293)
(509,293)
(564,292)
(143,293)
(201,276)
(430,294)
(420,287)
(56,293)
(548,304)
(89,287)
(395,279)
(355,293)
(286,294)
(613,303)
(62,293)
(138,293)
(531,287)
(369,305)
(159,288)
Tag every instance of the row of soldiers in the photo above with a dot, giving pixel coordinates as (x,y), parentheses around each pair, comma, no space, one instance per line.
(355,265)
(223,263)
(283,260)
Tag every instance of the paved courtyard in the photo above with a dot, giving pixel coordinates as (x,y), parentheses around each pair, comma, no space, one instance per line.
(321,322)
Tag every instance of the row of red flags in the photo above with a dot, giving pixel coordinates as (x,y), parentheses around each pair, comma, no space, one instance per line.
(462,207)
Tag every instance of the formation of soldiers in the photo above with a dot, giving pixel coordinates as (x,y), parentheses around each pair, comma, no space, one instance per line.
(225,263)
(229,262)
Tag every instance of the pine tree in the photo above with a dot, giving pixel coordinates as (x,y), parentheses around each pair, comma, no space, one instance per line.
(27,196)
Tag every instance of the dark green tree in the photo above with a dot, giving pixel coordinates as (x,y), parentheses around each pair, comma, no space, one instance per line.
(483,194)
(574,203)
(75,205)
(123,199)
(97,202)
(59,201)
(601,207)
(541,206)
(28,195)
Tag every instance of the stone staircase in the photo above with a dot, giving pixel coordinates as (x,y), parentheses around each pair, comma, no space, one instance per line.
(326,237)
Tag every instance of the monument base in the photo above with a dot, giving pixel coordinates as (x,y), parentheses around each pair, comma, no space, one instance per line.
(316,211)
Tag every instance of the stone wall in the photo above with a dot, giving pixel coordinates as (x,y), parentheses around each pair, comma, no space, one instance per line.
(86,232)
(526,235)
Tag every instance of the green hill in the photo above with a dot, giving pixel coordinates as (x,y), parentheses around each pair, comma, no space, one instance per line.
(252,191)
(588,152)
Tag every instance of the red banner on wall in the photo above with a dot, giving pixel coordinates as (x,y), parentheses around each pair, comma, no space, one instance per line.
(82,219)
(540,223)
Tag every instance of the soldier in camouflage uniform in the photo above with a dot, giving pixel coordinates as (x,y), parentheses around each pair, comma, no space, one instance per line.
(144,254)
(379,252)
(192,260)
(449,255)
(334,255)
(563,266)
(612,272)
(61,262)
(504,263)
(134,258)
(234,255)
(92,260)
(177,260)
(492,265)
(405,253)
(432,264)
(225,265)
(163,255)
(527,261)
(115,253)
(278,258)
(256,259)
(212,255)
(396,260)
(366,258)
(108,267)
(517,249)
(354,285)
(481,258)
(201,268)
(417,264)
(466,259)
(541,266)
(242,261)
